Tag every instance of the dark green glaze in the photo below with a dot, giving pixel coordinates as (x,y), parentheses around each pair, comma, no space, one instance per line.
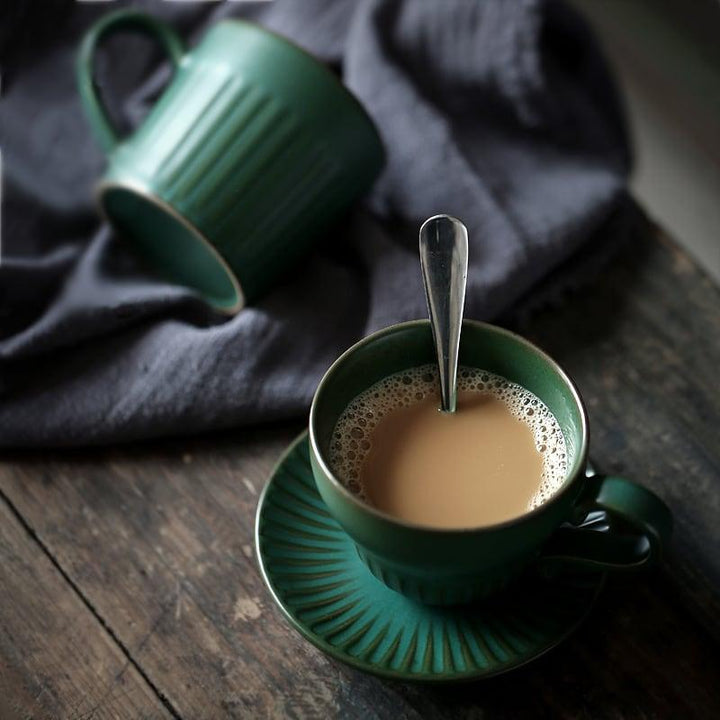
(314,573)
(450,566)
(252,151)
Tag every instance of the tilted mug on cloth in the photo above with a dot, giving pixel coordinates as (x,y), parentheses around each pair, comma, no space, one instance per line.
(251,152)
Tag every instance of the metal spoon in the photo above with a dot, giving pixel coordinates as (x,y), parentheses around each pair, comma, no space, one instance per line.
(443,257)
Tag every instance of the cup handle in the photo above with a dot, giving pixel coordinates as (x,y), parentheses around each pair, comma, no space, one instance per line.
(621,526)
(119,21)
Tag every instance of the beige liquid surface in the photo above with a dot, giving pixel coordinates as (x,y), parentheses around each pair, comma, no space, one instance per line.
(501,454)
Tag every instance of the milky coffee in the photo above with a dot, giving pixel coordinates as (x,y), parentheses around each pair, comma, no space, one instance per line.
(501,454)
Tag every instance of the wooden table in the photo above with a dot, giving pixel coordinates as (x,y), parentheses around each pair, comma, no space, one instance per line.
(129,585)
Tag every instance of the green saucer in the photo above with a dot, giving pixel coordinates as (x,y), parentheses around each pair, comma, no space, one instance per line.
(316,577)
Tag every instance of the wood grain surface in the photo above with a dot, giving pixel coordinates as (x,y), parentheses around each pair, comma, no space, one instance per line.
(146,552)
(56,659)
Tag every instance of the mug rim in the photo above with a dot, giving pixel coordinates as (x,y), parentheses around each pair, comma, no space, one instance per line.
(104,186)
(574,472)
(261,29)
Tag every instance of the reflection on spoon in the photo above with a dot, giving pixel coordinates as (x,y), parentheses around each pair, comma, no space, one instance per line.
(443,258)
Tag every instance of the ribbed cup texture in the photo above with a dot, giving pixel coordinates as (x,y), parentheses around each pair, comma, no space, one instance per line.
(435,591)
(239,166)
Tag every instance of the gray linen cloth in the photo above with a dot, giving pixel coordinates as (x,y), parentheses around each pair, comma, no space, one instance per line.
(501,113)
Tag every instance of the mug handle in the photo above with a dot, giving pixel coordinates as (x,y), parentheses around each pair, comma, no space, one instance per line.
(108,25)
(622,526)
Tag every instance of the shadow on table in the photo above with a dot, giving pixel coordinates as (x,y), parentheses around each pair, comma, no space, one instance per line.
(637,655)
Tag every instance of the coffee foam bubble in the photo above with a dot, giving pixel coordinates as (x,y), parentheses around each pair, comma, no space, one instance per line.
(352,437)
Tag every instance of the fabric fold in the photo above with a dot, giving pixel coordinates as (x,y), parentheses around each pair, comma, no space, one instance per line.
(503,114)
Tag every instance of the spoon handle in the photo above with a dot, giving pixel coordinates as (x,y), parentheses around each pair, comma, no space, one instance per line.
(443,258)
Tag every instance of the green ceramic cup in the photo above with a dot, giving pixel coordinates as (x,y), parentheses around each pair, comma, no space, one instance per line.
(598,522)
(251,152)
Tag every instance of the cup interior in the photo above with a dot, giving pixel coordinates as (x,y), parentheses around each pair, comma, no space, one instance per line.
(483,346)
(171,244)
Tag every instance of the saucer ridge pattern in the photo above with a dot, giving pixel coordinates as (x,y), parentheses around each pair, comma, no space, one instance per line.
(315,575)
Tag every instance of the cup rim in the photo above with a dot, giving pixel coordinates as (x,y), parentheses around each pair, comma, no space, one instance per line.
(104,186)
(319,63)
(574,472)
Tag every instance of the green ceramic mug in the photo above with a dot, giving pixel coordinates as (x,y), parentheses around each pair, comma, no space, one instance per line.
(599,522)
(251,152)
